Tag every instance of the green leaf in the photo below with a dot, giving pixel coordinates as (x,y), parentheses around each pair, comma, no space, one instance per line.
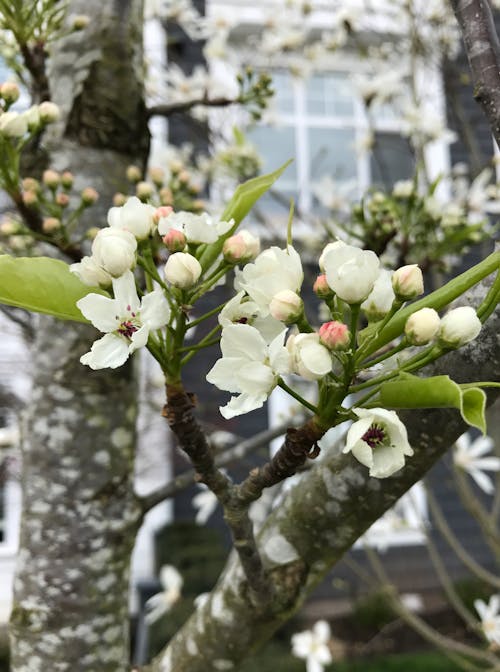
(409,391)
(42,285)
(244,198)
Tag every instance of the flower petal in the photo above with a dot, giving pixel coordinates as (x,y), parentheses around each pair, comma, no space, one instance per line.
(155,311)
(125,293)
(110,351)
(100,310)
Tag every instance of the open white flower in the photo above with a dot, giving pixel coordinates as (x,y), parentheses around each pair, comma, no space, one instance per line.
(379,441)
(135,216)
(351,272)
(161,603)
(273,271)
(312,646)
(125,320)
(468,456)
(197,228)
(249,367)
(241,309)
(90,273)
(381,298)
(490,618)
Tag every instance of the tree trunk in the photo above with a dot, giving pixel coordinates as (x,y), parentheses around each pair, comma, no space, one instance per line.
(80,516)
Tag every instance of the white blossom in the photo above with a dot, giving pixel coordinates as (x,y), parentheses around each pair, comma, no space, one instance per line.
(380,300)
(312,646)
(468,455)
(90,273)
(113,250)
(379,441)
(125,320)
(248,367)
(13,124)
(351,272)
(490,618)
(182,270)
(310,359)
(161,603)
(459,326)
(241,309)
(197,228)
(135,216)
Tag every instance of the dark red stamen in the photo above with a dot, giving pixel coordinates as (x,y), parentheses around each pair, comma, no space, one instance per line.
(374,436)
(127,329)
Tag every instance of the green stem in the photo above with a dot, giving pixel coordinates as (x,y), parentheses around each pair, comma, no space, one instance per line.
(479,384)
(296,396)
(490,301)
(205,316)
(383,323)
(221,271)
(205,341)
(390,353)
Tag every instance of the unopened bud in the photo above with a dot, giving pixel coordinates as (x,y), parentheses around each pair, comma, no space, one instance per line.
(51,224)
(49,112)
(9,91)
(157,175)
(184,176)
(422,326)
(9,227)
(79,21)
(51,179)
(119,199)
(459,326)
(62,200)
(30,184)
(166,196)
(175,241)
(199,205)
(408,282)
(162,211)
(134,174)
(175,165)
(92,232)
(321,287)
(89,196)
(335,335)
(286,306)
(144,190)
(241,248)
(182,270)
(30,198)
(67,179)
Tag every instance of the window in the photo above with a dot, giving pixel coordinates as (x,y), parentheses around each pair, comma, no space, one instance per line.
(321,123)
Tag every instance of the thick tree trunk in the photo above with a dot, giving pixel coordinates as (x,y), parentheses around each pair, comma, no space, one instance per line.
(318,521)
(80,516)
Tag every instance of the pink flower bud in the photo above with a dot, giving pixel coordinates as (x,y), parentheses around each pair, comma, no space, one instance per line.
(335,335)
(241,248)
(162,211)
(51,179)
(30,198)
(119,199)
(89,196)
(408,282)
(62,200)
(286,306)
(51,224)
(422,326)
(9,91)
(175,241)
(321,287)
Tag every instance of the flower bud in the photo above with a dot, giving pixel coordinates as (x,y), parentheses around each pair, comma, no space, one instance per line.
(13,125)
(92,232)
(335,335)
(403,189)
(51,224)
(241,248)
(182,270)
(62,200)
(119,199)
(49,112)
(199,205)
(157,175)
(32,117)
(134,174)
(331,246)
(162,211)
(184,176)
(30,198)
(9,91)
(310,359)
(89,196)
(134,216)
(144,190)
(51,179)
(459,326)
(90,273)
(175,165)
(408,282)
(9,227)
(321,287)
(67,179)
(79,21)
(30,184)
(166,196)
(175,241)
(422,326)
(286,306)
(114,250)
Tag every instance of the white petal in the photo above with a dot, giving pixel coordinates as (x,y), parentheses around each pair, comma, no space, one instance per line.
(125,293)
(363,453)
(155,311)
(170,577)
(244,403)
(356,431)
(255,379)
(242,340)
(101,311)
(139,338)
(110,351)
(386,461)
(222,373)
(322,631)
(483,481)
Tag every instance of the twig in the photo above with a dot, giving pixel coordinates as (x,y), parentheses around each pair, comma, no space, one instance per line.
(167,110)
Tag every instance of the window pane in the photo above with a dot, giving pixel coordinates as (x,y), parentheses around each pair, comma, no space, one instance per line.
(329,95)
(332,152)
(391,160)
(275,145)
(283,100)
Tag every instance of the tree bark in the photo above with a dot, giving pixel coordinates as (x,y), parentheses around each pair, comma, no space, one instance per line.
(80,515)
(318,521)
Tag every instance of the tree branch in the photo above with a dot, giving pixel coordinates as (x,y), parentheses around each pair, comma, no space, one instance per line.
(167,110)
(483,51)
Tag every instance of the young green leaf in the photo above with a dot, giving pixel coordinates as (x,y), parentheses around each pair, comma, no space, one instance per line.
(42,285)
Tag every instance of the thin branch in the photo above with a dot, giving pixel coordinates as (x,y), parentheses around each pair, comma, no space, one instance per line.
(483,51)
(167,110)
